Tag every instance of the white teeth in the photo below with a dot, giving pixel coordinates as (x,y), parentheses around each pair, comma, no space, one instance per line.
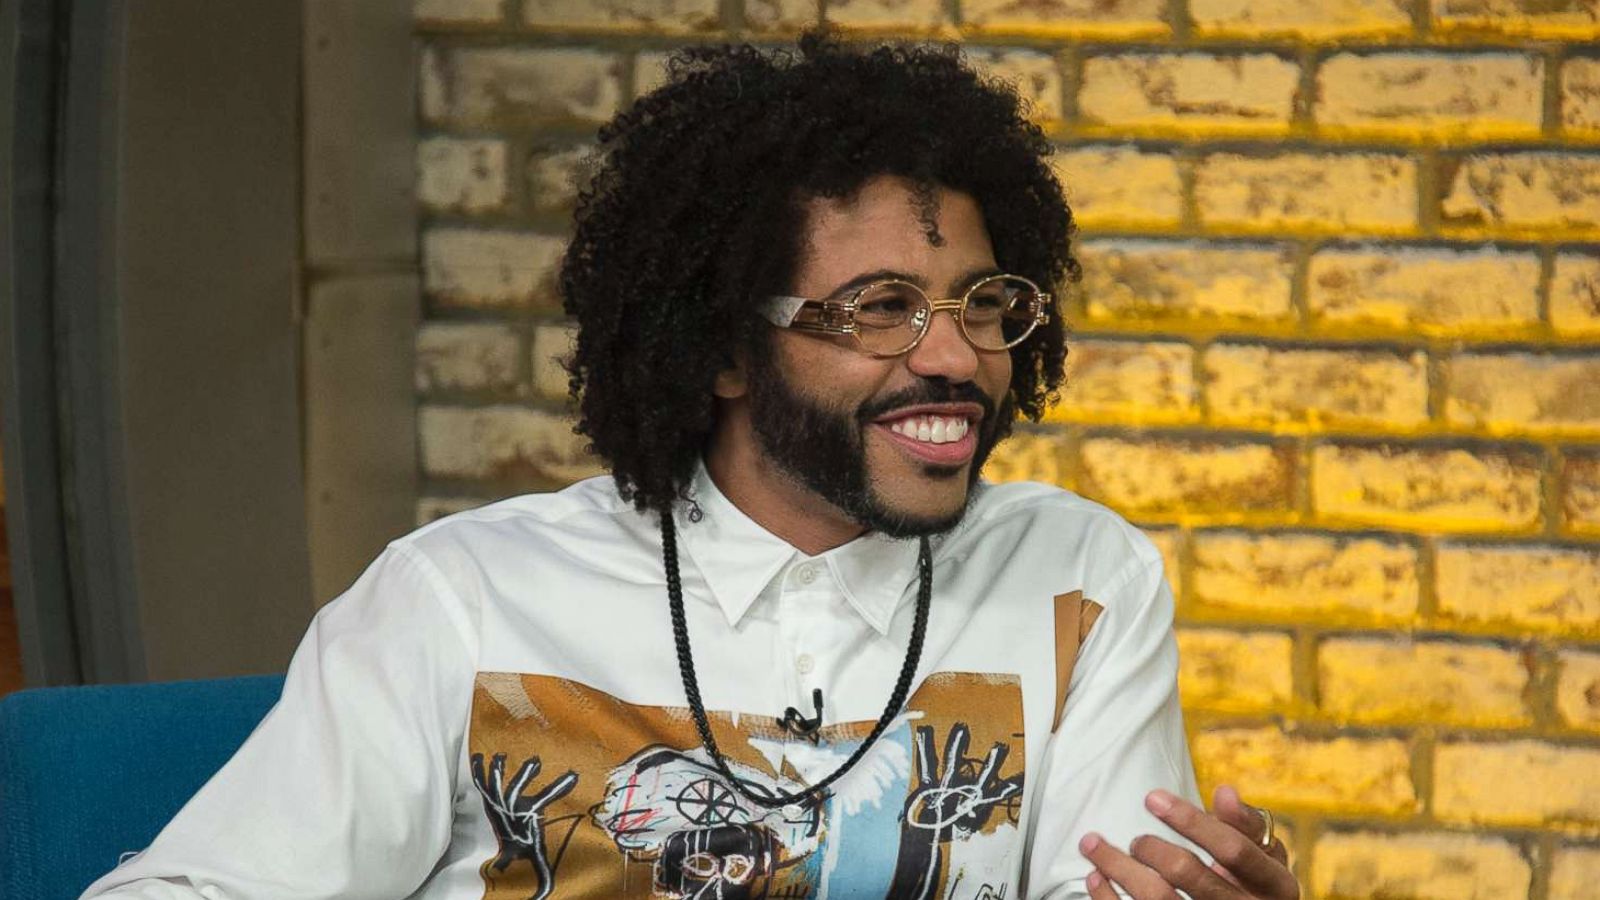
(931,429)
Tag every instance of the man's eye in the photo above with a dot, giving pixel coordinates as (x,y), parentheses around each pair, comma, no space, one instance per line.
(988,300)
(886,306)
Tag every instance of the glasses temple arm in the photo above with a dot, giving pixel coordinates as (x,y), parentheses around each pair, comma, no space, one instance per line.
(781,311)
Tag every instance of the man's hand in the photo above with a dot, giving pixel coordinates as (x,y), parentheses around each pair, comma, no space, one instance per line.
(1158,869)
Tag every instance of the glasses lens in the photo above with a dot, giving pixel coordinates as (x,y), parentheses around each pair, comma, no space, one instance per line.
(890,316)
(1000,312)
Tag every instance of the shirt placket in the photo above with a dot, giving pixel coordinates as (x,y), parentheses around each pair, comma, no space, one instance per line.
(807,590)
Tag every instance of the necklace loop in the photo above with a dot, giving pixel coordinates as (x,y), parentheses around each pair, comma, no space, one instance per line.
(691,685)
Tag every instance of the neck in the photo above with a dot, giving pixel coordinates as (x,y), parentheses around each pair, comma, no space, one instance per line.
(772,498)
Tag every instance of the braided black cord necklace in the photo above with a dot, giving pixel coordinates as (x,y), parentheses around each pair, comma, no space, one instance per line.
(691,686)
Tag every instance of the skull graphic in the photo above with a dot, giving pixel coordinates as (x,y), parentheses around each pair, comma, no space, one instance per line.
(674,809)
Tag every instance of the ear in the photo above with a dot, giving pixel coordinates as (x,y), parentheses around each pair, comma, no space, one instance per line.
(731,382)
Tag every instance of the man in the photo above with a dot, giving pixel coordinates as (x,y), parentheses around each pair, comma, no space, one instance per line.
(792,647)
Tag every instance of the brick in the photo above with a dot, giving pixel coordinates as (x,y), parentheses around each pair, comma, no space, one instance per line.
(1330,193)
(1521,393)
(1434,292)
(1575,295)
(1066,18)
(1030,456)
(552,343)
(1580,95)
(1232,671)
(1295,577)
(895,15)
(1186,478)
(1534,18)
(461,356)
(670,16)
(1296,18)
(430,509)
(649,71)
(780,16)
(457,12)
(1288,772)
(503,86)
(1375,681)
(554,174)
(470,268)
(1519,589)
(1128,381)
(1555,786)
(1168,92)
(1578,690)
(1436,95)
(1134,279)
(1120,187)
(461,174)
(1450,489)
(1036,77)
(1580,493)
(1418,867)
(1536,193)
(1574,873)
(1309,388)
(511,444)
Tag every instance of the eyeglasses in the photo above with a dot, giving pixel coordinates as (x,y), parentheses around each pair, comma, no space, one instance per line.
(890,317)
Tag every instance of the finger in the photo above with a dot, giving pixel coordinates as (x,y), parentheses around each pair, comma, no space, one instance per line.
(1222,870)
(1234,848)
(926,771)
(991,762)
(1232,810)
(1139,880)
(525,774)
(1182,869)
(1099,887)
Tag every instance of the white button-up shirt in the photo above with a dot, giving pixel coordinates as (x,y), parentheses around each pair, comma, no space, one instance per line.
(495,710)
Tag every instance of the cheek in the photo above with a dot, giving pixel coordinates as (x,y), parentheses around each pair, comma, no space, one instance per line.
(831,373)
(994,373)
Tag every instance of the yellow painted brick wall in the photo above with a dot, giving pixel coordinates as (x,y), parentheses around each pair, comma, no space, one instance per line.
(1337,348)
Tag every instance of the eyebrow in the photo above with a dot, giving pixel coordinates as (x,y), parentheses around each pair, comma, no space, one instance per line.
(866,278)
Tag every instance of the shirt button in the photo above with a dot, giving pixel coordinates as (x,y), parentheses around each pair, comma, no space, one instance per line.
(804,663)
(808,574)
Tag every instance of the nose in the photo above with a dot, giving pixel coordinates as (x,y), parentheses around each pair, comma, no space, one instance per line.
(944,351)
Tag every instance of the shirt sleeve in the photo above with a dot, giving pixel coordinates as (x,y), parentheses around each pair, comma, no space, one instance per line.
(1121,736)
(346,788)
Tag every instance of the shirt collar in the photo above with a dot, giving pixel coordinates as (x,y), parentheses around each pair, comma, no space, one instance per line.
(738,558)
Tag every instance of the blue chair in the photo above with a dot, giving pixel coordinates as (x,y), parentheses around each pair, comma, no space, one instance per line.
(90,773)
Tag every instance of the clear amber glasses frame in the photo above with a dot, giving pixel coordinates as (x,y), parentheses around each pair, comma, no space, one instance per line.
(839,317)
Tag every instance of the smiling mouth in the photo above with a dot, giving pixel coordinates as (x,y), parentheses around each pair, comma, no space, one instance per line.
(945,438)
(931,429)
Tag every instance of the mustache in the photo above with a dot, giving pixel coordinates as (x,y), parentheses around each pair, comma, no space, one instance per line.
(927,391)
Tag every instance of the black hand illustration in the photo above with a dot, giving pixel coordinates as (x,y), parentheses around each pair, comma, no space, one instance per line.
(518,821)
(958,794)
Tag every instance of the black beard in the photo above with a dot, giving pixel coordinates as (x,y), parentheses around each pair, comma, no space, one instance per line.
(824,450)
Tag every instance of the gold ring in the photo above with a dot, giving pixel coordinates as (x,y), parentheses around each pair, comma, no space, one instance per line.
(1268,837)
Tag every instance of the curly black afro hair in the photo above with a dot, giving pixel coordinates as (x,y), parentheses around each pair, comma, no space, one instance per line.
(696,205)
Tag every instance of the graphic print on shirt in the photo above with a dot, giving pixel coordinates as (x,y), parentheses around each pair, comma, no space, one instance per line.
(610,799)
